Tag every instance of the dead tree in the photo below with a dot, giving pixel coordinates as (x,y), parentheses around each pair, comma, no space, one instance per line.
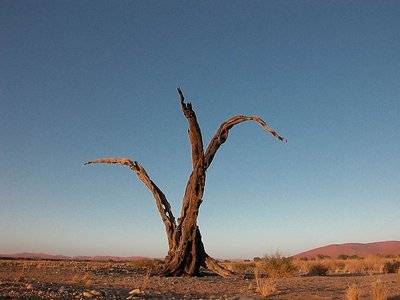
(186,252)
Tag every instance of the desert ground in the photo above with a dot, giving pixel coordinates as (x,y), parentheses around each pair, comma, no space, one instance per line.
(44,279)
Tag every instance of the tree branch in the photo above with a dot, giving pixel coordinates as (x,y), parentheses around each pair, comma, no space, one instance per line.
(162,203)
(222,134)
(213,265)
(195,137)
(195,185)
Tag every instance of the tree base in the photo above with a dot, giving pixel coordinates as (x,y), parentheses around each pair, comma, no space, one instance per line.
(179,270)
(188,256)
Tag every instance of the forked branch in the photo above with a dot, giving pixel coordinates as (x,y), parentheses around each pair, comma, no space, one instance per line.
(162,203)
(222,134)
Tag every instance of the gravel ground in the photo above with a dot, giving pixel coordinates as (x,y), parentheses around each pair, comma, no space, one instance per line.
(26,279)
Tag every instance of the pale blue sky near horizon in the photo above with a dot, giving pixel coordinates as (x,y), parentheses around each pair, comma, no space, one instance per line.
(81,80)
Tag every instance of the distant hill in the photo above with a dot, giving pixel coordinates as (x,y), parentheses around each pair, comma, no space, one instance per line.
(359,249)
(28,255)
(35,256)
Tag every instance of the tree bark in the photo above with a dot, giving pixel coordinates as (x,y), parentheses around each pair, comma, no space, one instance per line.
(186,252)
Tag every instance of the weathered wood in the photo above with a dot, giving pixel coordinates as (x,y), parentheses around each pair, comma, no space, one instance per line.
(164,208)
(186,253)
(221,135)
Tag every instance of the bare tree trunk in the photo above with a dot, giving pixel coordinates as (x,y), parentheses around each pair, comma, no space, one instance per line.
(186,252)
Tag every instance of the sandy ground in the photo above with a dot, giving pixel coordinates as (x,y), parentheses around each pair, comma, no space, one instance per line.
(20,279)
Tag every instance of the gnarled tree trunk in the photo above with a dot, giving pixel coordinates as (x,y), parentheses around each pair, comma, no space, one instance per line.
(186,252)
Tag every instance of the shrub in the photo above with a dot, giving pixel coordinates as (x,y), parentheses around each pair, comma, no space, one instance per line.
(304,258)
(391,267)
(318,269)
(276,266)
(322,256)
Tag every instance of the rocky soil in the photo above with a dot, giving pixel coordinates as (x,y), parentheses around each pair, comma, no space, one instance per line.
(25,279)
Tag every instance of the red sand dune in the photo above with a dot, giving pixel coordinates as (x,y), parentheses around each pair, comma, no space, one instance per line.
(382,248)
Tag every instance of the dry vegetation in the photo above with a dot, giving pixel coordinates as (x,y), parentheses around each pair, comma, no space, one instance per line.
(370,265)
(279,266)
(268,270)
(272,277)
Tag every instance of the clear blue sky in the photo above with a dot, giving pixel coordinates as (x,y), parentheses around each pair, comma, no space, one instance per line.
(81,80)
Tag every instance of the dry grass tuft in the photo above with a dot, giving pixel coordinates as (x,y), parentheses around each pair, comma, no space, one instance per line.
(379,290)
(353,292)
(265,286)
